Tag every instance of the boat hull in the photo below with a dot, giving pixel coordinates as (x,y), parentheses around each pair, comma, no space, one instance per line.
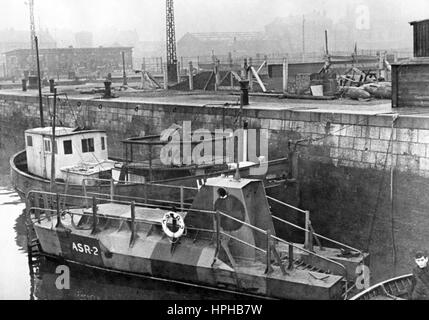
(189,262)
(23,182)
(392,289)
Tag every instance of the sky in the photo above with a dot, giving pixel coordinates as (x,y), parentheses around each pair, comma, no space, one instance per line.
(147,17)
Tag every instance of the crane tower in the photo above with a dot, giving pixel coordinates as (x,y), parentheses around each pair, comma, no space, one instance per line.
(171,42)
(33,35)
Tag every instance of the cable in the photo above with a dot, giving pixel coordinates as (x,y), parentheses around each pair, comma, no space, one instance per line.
(392,203)
(374,216)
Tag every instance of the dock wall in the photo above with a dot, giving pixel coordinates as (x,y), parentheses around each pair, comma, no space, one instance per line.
(345,176)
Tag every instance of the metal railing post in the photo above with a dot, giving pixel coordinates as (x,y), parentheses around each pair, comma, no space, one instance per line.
(112,189)
(84,193)
(37,211)
(268,254)
(307,231)
(217,231)
(94,215)
(145,193)
(182,198)
(133,223)
(311,237)
(290,257)
(59,223)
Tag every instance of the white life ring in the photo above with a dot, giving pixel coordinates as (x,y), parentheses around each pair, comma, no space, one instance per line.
(173,216)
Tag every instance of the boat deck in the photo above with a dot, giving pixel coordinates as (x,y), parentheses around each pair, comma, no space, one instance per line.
(120,211)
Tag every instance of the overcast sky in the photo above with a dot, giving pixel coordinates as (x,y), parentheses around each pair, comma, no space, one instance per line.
(148,16)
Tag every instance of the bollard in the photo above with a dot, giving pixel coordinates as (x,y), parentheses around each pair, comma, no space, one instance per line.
(191,77)
(285,75)
(107,89)
(33,82)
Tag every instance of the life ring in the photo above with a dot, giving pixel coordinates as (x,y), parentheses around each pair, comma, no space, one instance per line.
(173,216)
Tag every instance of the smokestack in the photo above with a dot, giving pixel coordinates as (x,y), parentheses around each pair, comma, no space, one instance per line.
(244,86)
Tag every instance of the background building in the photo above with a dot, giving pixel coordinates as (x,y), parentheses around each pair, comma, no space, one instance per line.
(237,43)
(84,39)
(61,62)
(11,39)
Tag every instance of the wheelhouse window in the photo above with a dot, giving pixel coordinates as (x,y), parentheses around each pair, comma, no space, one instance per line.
(29,141)
(68,148)
(48,146)
(103,143)
(88,145)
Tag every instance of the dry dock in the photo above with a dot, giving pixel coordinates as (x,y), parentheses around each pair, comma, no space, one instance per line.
(346,149)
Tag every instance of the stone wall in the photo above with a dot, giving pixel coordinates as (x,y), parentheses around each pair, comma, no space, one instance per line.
(345,177)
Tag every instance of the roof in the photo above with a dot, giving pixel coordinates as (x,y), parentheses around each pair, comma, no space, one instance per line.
(68,49)
(226,36)
(412,61)
(420,21)
(60,131)
(228,182)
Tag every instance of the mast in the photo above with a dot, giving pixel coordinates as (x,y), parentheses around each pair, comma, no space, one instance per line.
(42,123)
(54,118)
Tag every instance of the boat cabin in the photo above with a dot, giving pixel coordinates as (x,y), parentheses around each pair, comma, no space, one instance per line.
(79,154)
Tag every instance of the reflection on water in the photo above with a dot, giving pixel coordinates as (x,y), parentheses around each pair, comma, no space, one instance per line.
(92,284)
(17,280)
(14,271)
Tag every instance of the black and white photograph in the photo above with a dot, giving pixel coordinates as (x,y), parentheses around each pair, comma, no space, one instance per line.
(240,151)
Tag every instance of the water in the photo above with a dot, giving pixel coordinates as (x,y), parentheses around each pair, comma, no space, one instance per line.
(14,270)
(19,281)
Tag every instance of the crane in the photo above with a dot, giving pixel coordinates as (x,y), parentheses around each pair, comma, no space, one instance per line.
(30,4)
(171,42)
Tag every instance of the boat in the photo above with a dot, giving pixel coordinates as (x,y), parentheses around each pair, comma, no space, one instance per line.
(392,289)
(82,165)
(224,238)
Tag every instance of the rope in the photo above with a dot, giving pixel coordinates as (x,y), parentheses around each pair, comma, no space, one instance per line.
(392,203)
(374,216)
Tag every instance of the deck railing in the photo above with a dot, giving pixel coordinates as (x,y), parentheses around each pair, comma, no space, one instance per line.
(270,238)
(310,234)
(146,199)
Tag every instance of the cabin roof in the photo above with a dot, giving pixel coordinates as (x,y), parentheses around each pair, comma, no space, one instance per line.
(228,182)
(61,131)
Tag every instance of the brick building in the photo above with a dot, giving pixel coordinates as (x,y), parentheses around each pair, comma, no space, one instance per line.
(61,62)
